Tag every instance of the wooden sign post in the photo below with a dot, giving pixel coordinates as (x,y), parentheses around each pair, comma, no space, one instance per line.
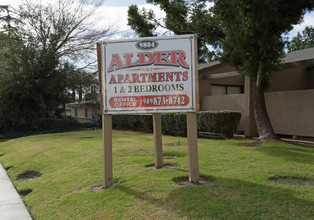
(107,150)
(106,127)
(158,140)
(192,146)
(149,76)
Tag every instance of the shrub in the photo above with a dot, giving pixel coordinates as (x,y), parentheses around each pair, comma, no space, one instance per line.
(44,125)
(131,122)
(174,123)
(223,122)
(147,121)
(66,124)
(124,122)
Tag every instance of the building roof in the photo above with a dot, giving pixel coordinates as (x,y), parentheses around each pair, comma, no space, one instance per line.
(292,57)
(207,65)
(299,55)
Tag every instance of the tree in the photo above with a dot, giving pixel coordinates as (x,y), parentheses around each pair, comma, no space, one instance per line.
(181,18)
(302,41)
(36,48)
(4,8)
(81,83)
(248,32)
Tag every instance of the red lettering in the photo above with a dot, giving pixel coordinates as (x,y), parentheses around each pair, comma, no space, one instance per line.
(143,75)
(152,77)
(173,58)
(135,78)
(161,77)
(120,78)
(178,76)
(143,56)
(128,60)
(127,79)
(161,58)
(113,80)
(169,76)
(178,61)
(185,76)
(116,61)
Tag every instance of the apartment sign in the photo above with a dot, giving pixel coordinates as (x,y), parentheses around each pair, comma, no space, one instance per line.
(149,75)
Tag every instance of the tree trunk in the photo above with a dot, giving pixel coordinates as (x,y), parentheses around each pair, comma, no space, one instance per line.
(80,94)
(264,127)
(73,95)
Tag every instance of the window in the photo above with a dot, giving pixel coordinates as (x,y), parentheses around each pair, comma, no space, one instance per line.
(86,113)
(76,113)
(226,90)
(234,89)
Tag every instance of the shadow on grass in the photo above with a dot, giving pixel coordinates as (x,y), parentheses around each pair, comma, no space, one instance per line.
(289,152)
(230,199)
(4,140)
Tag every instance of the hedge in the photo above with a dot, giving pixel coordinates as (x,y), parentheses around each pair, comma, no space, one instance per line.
(174,123)
(132,122)
(44,125)
(68,124)
(222,122)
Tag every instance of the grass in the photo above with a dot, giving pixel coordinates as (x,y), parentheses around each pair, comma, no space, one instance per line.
(71,165)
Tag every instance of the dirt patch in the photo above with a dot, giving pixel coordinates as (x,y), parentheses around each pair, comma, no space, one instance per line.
(101,188)
(208,135)
(173,155)
(184,180)
(8,167)
(258,142)
(25,192)
(165,166)
(297,181)
(177,143)
(255,143)
(28,175)
(97,189)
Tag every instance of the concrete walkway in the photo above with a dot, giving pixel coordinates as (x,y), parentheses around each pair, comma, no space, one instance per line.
(11,205)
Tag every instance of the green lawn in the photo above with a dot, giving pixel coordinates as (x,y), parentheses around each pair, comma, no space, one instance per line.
(71,165)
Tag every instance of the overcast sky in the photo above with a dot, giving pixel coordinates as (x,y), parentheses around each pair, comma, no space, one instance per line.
(114,12)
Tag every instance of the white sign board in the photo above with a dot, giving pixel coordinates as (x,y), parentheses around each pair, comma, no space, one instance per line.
(149,75)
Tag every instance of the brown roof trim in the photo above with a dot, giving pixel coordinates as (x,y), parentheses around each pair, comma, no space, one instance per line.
(292,59)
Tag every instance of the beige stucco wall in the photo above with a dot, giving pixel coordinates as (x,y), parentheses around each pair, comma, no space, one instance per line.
(290,99)
(205,85)
(292,79)
(91,109)
(204,90)
(235,102)
(292,112)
